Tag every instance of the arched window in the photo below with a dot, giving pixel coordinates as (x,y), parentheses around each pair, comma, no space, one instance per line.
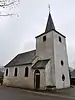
(15,73)
(26,72)
(6,72)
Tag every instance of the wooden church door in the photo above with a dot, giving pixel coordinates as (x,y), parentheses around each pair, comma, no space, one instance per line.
(37,79)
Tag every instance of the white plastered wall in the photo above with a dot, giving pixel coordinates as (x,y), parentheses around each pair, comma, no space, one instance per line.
(42,78)
(20,80)
(60,53)
(47,74)
(44,50)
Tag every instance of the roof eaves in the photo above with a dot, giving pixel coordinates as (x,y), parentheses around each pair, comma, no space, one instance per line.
(59,33)
(50,31)
(18,65)
(39,68)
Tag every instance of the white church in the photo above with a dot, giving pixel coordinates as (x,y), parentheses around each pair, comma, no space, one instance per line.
(45,67)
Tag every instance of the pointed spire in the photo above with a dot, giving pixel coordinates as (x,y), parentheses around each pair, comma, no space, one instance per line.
(50,24)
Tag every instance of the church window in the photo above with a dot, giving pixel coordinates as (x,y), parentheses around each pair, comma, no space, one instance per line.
(26,72)
(63,77)
(59,39)
(15,74)
(6,72)
(62,63)
(44,38)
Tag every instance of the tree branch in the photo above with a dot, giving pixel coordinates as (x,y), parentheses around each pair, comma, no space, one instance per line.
(8,15)
(6,5)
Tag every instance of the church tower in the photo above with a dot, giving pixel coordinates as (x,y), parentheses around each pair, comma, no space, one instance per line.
(52,45)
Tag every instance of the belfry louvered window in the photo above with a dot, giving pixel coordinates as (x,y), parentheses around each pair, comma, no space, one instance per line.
(60,39)
(44,38)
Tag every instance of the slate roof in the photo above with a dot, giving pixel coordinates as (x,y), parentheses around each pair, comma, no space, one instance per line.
(50,27)
(40,64)
(50,24)
(22,59)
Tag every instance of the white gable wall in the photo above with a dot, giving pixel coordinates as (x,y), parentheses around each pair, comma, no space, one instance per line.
(60,53)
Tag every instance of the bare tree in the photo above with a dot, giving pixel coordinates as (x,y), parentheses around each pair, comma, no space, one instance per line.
(4,4)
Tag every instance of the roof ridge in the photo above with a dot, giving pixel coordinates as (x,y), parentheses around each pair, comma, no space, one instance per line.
(27,52)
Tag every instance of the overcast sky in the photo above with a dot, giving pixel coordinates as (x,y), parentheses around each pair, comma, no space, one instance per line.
(17,34)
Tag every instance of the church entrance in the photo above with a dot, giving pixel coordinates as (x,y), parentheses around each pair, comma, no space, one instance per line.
(37,79)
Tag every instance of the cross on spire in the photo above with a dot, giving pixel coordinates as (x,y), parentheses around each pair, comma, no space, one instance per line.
(49,7)
(50,25)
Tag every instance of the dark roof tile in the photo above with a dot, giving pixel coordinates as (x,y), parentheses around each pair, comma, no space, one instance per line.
(50,24)
(40,64)
(22,59)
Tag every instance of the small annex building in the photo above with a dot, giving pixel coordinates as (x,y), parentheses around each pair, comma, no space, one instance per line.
(47,66)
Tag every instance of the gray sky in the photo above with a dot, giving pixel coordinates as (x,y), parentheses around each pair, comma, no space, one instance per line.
(18,34)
